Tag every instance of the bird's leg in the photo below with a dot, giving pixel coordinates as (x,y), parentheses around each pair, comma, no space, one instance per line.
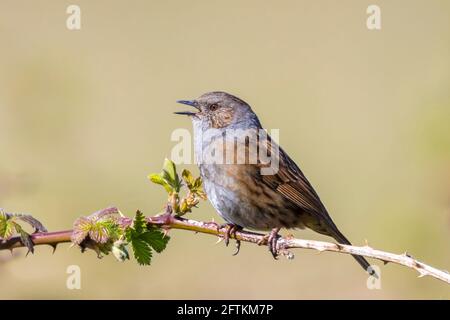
(230,231)
(271,239)
(272,242)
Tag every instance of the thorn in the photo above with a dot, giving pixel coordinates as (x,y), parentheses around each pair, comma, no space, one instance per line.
(422,273)
(406,254)
(219,240)
(54,247)
(165,232)
(385,262)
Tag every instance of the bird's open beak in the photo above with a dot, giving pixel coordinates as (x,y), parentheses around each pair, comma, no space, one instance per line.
(191,103)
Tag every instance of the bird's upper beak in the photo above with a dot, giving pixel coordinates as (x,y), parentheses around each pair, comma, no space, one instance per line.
(191,103)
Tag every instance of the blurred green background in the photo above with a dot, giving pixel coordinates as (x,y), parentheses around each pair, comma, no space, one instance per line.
(86,115)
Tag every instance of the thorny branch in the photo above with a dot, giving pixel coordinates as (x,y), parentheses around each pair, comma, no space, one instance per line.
(167,221)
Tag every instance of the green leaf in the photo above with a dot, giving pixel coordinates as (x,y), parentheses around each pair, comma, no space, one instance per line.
(175,184)
(7,225)
(139,223)
(25,238)
(102,231)
(156,239)
(99,229)
(81,228)
(198,182)
(170,175)
(188,178)
(170,169)
(168,178)
(198,188)
(143,239)
(142,251)
(158,179)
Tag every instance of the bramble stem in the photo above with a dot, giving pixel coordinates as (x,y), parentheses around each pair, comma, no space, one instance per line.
(167,221)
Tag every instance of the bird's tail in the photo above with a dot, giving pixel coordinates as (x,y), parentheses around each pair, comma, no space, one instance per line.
(340,238)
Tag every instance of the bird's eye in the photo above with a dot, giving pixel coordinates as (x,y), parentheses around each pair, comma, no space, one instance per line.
(214,107)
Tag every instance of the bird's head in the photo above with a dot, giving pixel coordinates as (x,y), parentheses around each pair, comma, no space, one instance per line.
(221,110)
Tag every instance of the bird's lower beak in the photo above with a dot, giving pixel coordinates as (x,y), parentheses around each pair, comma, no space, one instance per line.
(191,103)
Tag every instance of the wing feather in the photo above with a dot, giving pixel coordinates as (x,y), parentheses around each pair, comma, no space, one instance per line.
(292,184)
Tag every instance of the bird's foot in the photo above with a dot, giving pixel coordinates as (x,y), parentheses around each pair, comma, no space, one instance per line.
(230,232)
(271,239)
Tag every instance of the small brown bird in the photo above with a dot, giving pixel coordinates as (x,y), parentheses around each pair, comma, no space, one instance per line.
(239,190)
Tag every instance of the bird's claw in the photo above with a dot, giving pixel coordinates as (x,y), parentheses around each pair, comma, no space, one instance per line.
(230,232)
(271,239)
(238,247)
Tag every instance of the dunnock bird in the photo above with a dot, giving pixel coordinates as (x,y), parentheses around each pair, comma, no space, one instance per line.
(239,190)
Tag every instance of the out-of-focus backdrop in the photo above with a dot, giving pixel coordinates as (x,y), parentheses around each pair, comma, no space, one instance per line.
(85,116)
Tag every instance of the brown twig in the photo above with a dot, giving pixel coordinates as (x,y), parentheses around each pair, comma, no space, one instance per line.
(167,221)
(40,238)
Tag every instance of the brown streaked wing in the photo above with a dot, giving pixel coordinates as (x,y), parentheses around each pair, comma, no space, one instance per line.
(293,185)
